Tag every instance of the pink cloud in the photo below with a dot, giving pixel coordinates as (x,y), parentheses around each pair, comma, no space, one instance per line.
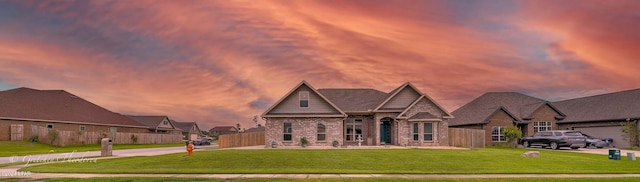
(221,62)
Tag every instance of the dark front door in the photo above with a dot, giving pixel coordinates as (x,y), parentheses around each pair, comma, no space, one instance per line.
(385,132)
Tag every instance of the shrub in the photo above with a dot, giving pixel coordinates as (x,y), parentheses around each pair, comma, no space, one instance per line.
(304,141)
(33,138)
(631,132)
(512,134)
(134,138)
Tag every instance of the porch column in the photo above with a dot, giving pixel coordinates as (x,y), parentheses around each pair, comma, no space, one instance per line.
(376,130)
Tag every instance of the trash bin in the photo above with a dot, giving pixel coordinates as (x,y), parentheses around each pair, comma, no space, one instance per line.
(614,154)
(631,156)
(106,146)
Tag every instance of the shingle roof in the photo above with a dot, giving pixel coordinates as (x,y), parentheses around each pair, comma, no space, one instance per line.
(477,111)
(224,128)
(255,129)
(184,126)
(611,106)
(151,122)
(354,99)
(57,105)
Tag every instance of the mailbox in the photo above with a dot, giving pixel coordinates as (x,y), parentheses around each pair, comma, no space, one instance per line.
(106,146)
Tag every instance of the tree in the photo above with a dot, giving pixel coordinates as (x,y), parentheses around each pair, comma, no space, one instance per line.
(631,132)
(238,127)
(255,120)
(512,134)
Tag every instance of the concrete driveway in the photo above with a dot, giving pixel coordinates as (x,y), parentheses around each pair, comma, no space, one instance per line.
(603,151)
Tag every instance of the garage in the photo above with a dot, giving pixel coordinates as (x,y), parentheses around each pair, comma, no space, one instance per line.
(193,136)
(614,132)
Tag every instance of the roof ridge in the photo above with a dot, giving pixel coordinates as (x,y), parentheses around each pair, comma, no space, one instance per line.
(600,95)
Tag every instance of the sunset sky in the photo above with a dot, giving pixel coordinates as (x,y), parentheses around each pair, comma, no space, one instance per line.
(222,62)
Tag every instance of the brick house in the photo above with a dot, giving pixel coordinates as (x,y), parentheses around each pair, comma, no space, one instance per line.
(493,111)
(24,110)
(190,130)
(222,130)
(404,116)
(601,115)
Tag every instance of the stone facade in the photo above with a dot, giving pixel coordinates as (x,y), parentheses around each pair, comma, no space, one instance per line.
(304,127)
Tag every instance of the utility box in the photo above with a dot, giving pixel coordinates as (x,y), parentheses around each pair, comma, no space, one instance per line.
(614,154)
(106,146)
(631,156)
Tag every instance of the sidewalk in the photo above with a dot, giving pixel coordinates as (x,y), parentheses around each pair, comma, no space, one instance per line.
(426,176)
(88,154)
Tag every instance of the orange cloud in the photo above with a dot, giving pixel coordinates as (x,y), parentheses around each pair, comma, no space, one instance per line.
(221,62)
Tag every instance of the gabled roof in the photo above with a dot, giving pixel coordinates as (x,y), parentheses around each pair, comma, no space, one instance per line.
(424,96)
(255,129)
(354,100)
(395,92)
(57,106)
(517,105)
(224,128)
(185,126)
(153,122)
(605,107)
(362,100)
(303,83)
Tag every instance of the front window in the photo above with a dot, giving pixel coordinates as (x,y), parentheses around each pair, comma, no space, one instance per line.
(304,99)
(497,134)
(428,131)
(321,132)
(541,126)
(415,131)
(353,129)
(83,128)
(288,131)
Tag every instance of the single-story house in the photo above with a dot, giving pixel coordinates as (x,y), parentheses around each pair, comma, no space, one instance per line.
(190,130)
(255,129)
(493,111)
(222,130)
(24,110)
(601,115)
(157,124)
(405,116)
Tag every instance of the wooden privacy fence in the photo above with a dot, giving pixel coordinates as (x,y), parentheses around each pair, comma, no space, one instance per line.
(241,139)
(463,137)
(64,138)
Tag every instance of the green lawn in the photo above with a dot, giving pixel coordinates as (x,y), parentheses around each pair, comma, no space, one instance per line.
(385,161)
(346,179)
(21,148)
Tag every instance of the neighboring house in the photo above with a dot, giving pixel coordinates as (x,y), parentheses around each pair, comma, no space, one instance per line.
(222,130)
(493,111)
(23,110)
(404,116)
(601,115)
(255,129)
(157,124)
(190,130)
